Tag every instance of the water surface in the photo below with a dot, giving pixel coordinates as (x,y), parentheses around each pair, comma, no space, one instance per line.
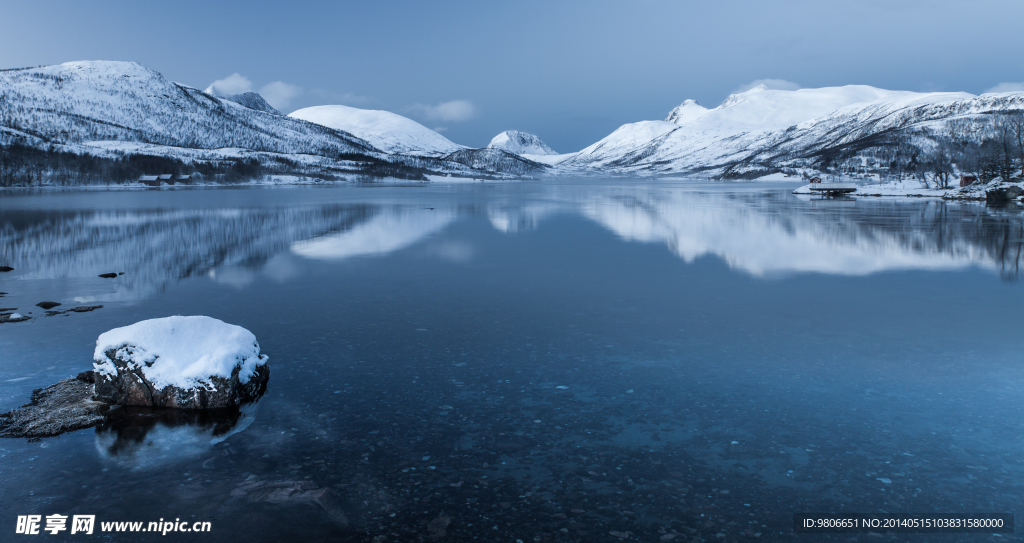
(534,361)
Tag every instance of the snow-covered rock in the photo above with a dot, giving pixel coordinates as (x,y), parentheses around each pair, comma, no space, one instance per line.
(182,362)
(520,143)
(385,130)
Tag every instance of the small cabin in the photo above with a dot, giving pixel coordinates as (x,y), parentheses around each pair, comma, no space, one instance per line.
(182,178)
(150,180)
(815,180)
(968,180)
(165,178)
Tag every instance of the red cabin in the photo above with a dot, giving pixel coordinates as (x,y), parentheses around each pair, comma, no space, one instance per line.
(967,180)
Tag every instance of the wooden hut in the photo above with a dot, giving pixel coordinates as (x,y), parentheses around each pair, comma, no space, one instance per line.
(150,180)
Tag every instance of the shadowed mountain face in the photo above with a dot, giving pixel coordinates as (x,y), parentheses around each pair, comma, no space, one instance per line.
(252,100)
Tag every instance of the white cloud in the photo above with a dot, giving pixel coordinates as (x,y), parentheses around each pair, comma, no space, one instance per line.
(771,84)
(1007,87)
(279,94)
(235,83)
(440,129)
(452,112)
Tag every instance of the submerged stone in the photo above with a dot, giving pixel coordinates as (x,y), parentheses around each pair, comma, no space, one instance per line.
(54,410)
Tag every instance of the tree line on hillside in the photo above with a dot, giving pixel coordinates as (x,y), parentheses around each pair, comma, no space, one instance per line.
(988,148)
(22,165)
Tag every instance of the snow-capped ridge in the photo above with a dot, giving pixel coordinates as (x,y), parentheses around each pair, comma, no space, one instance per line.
(740,96)
(520,143)
(385,130)
(765,128)
(686,112)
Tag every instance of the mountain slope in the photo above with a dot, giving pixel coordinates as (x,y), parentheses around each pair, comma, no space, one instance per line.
(520,143)
(251,100)
(385,130)
(110,111)
(765,129)
(95,101)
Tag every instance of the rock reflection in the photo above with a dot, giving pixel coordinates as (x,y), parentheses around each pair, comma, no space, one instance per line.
(141,438)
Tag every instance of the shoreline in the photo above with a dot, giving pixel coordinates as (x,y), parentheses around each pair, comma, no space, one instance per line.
(994,191)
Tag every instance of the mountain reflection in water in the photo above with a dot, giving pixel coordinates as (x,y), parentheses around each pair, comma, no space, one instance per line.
(757,232)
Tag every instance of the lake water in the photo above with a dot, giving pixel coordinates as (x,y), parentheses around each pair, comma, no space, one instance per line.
(561,361)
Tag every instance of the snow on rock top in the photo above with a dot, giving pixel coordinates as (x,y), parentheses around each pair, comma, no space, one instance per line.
(686,112)
(181,351)
(520,143)
(385,130)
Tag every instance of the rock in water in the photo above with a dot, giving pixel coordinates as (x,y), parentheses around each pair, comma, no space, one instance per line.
(179,362)
(54,410)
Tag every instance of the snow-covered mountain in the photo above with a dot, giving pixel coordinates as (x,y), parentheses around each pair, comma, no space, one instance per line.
(385,130)
(99,101)
(520,143)
(116,109)
(762,129)
(121,109)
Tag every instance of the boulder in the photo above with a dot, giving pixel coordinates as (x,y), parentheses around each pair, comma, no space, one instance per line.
(1003,193)
(179,362)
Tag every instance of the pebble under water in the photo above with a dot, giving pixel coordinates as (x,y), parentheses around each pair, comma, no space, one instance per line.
(550,362)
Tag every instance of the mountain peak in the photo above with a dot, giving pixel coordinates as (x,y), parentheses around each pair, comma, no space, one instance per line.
(520,143)
(686,112)
(385,130)
(738,97)
(251,100)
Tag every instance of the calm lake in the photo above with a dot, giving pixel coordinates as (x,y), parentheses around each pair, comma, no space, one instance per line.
(558,361)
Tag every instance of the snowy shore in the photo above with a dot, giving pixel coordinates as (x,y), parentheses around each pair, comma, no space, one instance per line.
(915,188)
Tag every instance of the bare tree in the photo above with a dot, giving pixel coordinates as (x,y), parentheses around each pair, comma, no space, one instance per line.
(1014,123)
(940,163)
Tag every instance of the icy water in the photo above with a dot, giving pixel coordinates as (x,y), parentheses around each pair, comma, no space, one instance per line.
(577,361)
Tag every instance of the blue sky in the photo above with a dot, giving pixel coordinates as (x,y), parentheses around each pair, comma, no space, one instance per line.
(570,72)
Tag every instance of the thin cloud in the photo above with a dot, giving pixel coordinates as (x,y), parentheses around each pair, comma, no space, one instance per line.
(1007,87)
(771,84)
(454,111)
(235,83)
(280,94)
